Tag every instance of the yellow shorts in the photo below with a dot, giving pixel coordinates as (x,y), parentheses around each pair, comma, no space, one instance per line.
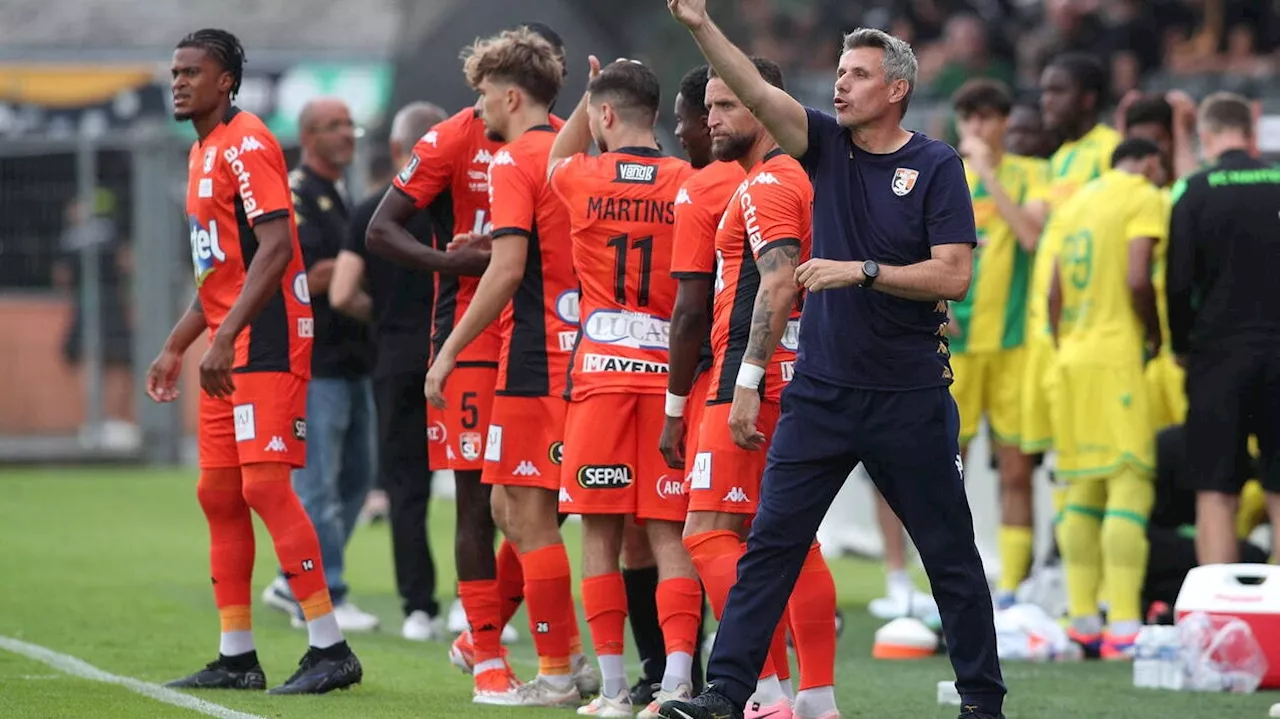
(1036,434)
(1167,385)
(989,383)
(1101,418)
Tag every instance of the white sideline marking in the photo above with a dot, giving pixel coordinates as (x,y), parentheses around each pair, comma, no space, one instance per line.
(68,664)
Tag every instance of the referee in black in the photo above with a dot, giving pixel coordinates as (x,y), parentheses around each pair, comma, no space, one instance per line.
(1224,321)
(398,304)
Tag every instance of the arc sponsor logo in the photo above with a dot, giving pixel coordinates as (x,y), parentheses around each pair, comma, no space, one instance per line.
(635,330)
(670,487)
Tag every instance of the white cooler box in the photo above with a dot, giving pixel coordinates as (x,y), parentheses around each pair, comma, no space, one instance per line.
(1249,592)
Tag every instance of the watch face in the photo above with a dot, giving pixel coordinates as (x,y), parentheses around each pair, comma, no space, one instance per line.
(870,268)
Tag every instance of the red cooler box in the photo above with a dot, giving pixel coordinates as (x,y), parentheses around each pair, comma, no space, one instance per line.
(1250,592)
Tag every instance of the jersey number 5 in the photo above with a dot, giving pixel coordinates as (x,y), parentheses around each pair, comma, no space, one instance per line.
(622,245)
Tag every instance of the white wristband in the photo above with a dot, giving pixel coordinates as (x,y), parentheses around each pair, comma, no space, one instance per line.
(675,405)
(749,375)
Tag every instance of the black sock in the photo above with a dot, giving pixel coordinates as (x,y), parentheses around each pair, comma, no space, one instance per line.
(642,611)
(240,662)
(337,651)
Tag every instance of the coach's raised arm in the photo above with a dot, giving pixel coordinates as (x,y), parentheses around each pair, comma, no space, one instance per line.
(781,114)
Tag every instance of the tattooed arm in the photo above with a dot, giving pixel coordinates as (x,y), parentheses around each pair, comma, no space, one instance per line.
(774,300)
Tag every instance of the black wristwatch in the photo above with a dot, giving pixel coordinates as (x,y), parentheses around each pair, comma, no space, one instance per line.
(870,271)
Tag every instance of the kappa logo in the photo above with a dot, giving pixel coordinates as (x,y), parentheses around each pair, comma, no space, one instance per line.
(469,444)
(502,158)
(432,138)
(209,156)
(484,157)
(564,496)
(904,178)
(635,173)
(276,445)
(682,197)
(765,178)
(250,144)
(736,495)
(526,469)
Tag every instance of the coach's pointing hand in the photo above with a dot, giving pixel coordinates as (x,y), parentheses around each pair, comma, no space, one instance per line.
(742,419)
(693,13)
(437,375)
(817,275)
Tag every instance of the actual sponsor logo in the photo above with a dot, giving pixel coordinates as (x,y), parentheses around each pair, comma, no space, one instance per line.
(245,423)
(206,251)
(301,290)
(556,452)
(791,336)
(612,476)
(751,220)
(406,172)
(243,181)
(904,178)
(567,306)
(669,487)
(469,444)
(700,475)
(300,429)
(627,329)
(493,444)
(592,362)
(635,173)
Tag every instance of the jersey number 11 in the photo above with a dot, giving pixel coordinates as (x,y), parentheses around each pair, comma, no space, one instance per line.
(621,245)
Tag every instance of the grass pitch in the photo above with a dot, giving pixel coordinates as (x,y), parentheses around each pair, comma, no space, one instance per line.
(110,566)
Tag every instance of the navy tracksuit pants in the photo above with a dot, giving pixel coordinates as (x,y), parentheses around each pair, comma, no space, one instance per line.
(909,443)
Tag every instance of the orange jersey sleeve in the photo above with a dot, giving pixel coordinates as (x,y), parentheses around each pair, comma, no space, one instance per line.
(513,195)
(622,215)
(699,206)
(262,179)
(431,167)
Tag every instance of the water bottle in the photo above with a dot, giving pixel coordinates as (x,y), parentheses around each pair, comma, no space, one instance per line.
(1169,659)
(1146,666)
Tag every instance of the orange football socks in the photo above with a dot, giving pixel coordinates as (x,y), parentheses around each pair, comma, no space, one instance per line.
(549,598)
(230,555)
(604,600)
(679,614)
(510,582)
(715,557)
(268,491)
(481,602)
(812,611)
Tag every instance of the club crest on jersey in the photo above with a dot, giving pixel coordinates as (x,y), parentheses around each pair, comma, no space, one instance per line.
(209,156)
(469,443)
(904,179)
(635,173)
(206,252)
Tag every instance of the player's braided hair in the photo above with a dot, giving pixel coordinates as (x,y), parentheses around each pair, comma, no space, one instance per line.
(224,47)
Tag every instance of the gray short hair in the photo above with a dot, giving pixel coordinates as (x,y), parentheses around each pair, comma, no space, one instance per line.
(413,121)
(899,59)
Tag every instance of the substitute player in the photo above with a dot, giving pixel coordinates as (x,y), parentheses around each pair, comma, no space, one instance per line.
(621,207)
(530,284)
(988,326)
(763,235)
(871,380)
(1072,92)
(1102,310)
(251,295)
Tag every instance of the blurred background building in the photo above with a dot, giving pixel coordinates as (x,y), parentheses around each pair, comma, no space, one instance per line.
(93,250)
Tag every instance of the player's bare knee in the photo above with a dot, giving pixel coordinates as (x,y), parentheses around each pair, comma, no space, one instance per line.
(699,522)
(669,551)
(636,552)
(601,543)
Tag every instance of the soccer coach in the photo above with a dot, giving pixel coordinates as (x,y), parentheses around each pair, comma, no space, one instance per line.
(893,237)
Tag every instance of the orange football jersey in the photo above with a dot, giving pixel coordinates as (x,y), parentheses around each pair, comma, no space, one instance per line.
(622,217)
(771,207)
(540,325)
(236,180)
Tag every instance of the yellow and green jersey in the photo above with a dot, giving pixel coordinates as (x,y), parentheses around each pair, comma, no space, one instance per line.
(1072,166)
(993,315)
(1098,323)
